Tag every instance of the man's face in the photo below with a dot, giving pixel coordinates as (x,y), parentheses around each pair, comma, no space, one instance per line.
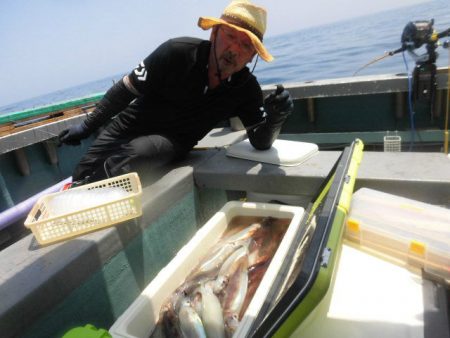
(233,49)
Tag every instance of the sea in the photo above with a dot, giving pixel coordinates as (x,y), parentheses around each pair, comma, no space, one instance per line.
(328,51)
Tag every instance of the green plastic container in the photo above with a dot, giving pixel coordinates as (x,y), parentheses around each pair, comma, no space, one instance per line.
(284,313)
(88,331)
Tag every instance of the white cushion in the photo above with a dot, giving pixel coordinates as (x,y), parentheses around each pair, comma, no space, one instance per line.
(282,152)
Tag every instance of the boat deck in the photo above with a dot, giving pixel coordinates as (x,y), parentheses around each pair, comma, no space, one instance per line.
(35,280)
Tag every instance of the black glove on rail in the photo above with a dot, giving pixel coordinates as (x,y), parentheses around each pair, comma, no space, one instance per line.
(73,135)
(278,105)
(114,101)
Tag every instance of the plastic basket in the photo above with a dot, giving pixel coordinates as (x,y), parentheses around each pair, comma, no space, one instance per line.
(49,227)
(392,143)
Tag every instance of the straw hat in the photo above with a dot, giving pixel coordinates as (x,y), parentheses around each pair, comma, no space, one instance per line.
(246,17)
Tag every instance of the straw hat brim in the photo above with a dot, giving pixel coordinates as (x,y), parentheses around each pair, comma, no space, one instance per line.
(206,22)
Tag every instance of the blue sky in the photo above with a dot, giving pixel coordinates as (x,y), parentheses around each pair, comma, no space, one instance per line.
(47,45)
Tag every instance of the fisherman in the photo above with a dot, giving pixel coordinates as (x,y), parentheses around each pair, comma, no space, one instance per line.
(179,93)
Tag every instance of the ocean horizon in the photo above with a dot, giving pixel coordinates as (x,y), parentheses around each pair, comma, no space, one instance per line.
(323,52)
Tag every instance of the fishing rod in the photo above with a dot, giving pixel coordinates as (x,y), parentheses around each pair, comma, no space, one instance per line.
(378,58)
(415,35)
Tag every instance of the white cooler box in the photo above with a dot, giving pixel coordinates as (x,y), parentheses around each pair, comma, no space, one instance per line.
(140,318)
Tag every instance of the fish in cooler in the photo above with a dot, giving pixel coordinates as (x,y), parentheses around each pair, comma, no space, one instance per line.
(190,323)
(212,300)
(210,311)
(234,296)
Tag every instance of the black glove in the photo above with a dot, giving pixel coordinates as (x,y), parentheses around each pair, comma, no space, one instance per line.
(74,134)
(278,105)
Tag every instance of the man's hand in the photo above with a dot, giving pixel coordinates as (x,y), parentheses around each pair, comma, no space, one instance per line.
(279,104)
(74,134)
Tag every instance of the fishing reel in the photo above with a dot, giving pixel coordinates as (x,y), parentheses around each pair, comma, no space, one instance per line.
(419,33)
(415,35)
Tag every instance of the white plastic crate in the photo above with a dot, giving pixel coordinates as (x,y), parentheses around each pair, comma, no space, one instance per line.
(70,213)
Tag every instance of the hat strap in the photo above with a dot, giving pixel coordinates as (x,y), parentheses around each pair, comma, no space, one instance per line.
(238,22)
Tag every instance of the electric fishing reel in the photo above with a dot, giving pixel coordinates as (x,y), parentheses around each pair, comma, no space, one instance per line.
(419,33)
(415,35)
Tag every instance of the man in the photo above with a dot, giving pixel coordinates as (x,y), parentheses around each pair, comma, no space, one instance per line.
(178,94)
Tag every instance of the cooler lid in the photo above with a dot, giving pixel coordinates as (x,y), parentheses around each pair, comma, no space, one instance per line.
(309,266)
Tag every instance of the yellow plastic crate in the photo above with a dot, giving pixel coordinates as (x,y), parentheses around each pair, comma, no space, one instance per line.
(120,200)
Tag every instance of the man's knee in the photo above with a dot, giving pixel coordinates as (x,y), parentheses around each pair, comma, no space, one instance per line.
(153,146)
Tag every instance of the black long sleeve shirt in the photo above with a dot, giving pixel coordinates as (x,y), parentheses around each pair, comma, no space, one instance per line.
(172,97)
